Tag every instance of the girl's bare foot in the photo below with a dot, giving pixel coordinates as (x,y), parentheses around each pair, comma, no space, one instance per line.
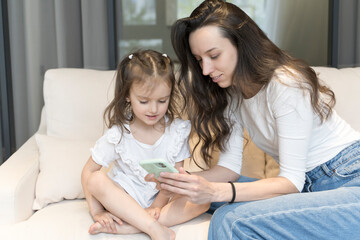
(161,232)
(125,228)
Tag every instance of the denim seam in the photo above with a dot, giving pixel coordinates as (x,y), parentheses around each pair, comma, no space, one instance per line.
(312,209)
(343,153)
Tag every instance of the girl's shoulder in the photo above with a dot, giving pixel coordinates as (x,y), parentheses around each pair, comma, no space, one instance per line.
(114,134)
(180,126)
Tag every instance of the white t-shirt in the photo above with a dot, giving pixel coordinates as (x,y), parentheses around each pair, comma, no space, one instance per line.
(280,121)
(124,153)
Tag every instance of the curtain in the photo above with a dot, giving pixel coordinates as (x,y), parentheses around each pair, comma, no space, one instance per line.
(348,39)
(300,27)
(48,34)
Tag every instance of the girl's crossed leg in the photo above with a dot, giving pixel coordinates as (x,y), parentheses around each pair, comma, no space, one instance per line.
(135,218)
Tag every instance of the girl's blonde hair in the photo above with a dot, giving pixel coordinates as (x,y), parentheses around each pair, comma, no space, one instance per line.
(139,67)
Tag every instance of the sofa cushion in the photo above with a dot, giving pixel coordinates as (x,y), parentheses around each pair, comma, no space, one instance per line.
(61,163)
(346,84)
(71,220)
(75,100)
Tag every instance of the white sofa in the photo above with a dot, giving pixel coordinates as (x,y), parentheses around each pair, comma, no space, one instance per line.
(45,172)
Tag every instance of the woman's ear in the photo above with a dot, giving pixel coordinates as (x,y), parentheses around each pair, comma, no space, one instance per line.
(127,99)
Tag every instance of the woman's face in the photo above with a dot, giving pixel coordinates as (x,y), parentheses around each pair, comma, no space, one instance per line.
(216,55)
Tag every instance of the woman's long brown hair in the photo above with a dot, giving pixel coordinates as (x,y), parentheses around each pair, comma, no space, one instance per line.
(258,58)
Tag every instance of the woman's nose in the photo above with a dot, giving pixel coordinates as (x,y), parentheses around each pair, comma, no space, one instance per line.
(207,67)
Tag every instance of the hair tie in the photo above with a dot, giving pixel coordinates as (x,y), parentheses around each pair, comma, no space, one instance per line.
(164,55)
(233,192)
(131,56)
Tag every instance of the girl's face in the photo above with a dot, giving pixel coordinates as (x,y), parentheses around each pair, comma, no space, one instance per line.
(149,104)
(216,55)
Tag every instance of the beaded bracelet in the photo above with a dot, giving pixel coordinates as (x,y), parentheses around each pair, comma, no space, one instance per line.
(233,191)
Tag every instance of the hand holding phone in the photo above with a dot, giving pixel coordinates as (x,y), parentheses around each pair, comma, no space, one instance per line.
(156,166)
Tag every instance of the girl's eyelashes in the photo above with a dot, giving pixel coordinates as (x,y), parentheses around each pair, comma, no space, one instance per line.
(215,57)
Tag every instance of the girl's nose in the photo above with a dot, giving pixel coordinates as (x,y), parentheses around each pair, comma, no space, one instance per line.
(153,107)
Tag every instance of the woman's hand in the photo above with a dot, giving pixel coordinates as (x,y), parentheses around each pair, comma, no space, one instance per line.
(196,188)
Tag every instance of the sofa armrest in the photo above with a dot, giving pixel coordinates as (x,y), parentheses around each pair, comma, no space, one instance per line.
(17,183)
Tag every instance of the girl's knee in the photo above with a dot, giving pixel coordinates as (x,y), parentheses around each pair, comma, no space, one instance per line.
(96,181)
(201,208)
(205,207)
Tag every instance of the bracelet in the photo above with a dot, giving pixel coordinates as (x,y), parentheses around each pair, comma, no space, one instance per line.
(233,191)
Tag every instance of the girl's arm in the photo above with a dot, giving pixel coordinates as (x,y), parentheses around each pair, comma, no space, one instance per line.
(94,205)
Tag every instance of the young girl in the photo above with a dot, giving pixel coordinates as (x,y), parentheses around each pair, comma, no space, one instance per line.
(142,125)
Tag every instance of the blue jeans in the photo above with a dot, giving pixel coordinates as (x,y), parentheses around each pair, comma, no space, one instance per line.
(327,208)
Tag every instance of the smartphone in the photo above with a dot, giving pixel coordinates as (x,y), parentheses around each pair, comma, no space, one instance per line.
(156,166)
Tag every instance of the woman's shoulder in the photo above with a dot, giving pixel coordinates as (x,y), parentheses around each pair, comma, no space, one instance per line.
(286,76)
(285,80)
(286,89)
(289,77)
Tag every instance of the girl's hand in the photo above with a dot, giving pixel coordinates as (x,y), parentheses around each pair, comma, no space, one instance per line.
(151,178)
(153,212)
(196,188)
(106,219)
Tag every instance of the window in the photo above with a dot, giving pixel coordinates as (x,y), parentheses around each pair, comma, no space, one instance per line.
(147,24)
(299,27)
(7,134)
(254,8)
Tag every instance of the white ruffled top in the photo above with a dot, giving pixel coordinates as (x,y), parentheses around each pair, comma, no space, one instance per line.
(123,153)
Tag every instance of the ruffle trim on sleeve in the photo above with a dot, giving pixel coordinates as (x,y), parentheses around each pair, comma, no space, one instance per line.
(114,137)
(97,156)
(179,132)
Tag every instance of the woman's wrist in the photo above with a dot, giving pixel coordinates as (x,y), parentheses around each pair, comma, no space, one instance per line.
(223,192)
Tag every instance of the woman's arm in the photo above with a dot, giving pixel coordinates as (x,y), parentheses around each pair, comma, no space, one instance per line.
(199,190)
(218,174)
(257,190)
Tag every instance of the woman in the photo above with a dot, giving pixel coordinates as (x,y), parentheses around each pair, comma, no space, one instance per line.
(240,79)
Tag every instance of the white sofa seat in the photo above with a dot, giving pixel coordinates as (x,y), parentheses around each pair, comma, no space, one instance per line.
(71,220)
(70,101)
